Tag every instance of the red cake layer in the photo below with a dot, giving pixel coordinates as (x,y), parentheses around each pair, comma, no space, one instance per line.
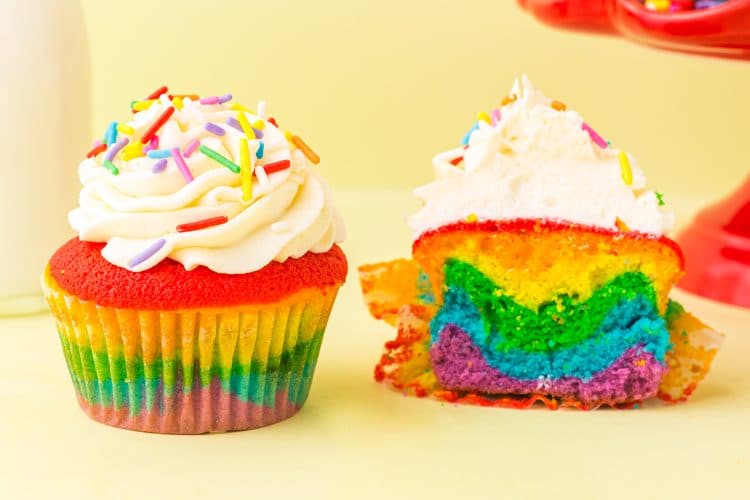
(526,225)
(79,268)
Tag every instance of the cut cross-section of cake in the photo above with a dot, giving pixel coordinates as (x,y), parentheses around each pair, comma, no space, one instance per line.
(539,271)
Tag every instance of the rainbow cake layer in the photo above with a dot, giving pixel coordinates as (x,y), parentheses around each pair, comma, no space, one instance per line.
(513,312)
(240,354)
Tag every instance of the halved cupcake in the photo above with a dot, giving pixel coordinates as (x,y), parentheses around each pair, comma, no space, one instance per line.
(547,269)
(195,297)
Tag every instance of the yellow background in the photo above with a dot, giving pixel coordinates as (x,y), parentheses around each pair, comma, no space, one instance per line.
(379,87)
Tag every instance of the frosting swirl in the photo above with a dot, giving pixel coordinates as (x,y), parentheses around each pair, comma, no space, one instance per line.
(535,159)
(141,209)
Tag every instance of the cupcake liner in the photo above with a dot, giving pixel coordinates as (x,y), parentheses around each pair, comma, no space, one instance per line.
(191,371)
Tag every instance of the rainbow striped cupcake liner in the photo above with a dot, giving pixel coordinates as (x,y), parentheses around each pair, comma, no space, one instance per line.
(191,371)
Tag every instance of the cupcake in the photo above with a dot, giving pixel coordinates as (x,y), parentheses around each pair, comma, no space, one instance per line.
(195,296)
(540,271)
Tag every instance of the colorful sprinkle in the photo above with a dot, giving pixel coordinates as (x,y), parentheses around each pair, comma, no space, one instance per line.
(239,107)
(467,136)
(484,117)
(232,122)
(177,103)
(625,170)
(147,253)
(245,125)
(116,148)
(142,105)
(297,141)
(261,109)
(258,133)
(216,99)
(259,124)
(214,129)
(111,167)
(217,157)
(157,93)
(594,136)
(261,150)
(110,136)
(133,150)
(471,218)
(160,121)
(159,166)
(495,116)
(508,99)
(559,106)
(190,148)
(202,224)
(225,98)
(152,144)
(456,161)
(159,153)
(125,129)
(272,121)
(276,166)
(181,165)
(660,199)
(96,150)
(247,170)
(192,97)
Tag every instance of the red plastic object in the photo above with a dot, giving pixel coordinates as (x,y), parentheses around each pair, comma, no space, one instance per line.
(717,250)
(722,31)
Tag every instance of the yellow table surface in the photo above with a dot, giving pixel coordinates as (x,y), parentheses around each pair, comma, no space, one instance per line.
(357,439)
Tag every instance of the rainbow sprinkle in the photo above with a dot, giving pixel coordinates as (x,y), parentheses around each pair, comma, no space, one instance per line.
(191,147)
(146,253)
(100,148)
(159,153)
(157,93)
(625,170)
(467,136)
(181,165)
(159,166)
(111,167)
(276,166)
(214,129)
(154,128)
(261,149)
(495,116)
(110,136)
(218,158)
(245,125)
(116,148)
(484,117)
(297,141)
(660,199)
(598,140)
(142,105)
(259,125)
(202,224)
(124,128)
(247,170)
(232,122)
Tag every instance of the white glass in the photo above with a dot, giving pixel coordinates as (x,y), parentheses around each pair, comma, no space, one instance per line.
(44,132)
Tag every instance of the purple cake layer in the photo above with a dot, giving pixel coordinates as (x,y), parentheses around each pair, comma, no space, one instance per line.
(460,366)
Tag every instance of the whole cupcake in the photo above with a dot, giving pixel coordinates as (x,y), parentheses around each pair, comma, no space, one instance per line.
(540,271)
(195,297)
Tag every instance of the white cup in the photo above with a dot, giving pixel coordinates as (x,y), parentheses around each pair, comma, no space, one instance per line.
(44,133)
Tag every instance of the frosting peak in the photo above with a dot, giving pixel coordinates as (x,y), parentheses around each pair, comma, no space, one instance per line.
(203,182)
(533,158)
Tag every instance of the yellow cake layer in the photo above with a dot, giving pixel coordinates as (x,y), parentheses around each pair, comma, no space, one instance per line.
(535,262)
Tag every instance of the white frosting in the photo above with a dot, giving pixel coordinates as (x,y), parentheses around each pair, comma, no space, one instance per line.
(290,213)
(537,163)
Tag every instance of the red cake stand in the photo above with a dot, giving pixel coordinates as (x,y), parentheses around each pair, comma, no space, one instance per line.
(722,31)
(717,243)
